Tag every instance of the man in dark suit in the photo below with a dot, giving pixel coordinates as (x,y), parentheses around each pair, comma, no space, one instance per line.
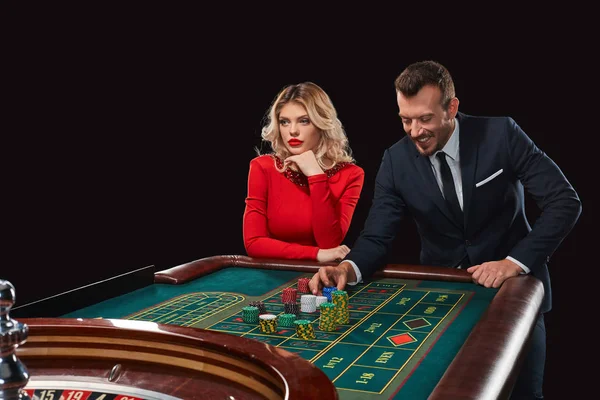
(462,179)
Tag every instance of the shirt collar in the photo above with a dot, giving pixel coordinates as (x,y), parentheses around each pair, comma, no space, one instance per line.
(452,145)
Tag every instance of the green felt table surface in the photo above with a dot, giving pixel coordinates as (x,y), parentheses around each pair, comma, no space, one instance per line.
(401,337)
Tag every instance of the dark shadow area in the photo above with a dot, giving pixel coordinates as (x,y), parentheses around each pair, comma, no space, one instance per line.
(133,140)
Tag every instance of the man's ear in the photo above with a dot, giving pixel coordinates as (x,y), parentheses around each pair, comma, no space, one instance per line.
(453,107)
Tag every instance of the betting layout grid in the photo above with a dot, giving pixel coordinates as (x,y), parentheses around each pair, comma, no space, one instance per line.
(387,355)
(411,322)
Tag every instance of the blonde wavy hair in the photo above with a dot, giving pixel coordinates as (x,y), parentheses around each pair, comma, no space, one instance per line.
(333,144)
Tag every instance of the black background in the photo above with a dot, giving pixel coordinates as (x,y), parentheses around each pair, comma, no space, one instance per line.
(131,130)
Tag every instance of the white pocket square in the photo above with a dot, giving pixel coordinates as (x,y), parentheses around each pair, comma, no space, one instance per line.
(489,178)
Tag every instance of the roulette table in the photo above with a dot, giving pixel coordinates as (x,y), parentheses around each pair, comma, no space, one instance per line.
(415,332)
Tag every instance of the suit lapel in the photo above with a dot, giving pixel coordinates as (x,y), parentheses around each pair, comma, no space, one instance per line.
(468,161)
(432,190)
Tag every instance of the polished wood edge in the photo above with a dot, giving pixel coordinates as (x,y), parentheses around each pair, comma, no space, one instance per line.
(484,369)
(295,376)
(205,365)
(49,343)
(189,271)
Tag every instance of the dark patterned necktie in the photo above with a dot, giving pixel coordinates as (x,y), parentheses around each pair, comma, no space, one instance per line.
(449,190)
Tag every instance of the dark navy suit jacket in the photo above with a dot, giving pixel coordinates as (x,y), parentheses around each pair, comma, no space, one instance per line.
(498,160)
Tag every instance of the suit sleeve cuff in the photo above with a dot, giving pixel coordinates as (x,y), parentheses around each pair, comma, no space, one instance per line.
(523,267)
(356,271)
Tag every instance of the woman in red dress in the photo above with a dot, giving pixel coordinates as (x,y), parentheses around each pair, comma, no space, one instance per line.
(302,196)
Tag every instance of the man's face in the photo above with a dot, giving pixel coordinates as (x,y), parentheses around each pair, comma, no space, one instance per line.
(424,119)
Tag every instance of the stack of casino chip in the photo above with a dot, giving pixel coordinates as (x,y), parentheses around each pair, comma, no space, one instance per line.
(304,329)
(250,314)
(327,290)
(291,308)
(340,299)
(260,305)
(289,295)
(303,285)
(320,300)
(286,320)
(327,321)
(308,303)
(268,323)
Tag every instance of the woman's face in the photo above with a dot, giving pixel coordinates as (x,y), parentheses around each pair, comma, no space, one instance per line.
(297,131)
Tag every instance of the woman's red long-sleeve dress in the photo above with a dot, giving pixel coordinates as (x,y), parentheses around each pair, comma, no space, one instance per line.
(291,216)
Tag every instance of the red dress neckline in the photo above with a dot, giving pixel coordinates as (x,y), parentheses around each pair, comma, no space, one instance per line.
(298,178)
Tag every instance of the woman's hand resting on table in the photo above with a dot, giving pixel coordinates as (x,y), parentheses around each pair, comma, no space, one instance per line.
(333,254)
